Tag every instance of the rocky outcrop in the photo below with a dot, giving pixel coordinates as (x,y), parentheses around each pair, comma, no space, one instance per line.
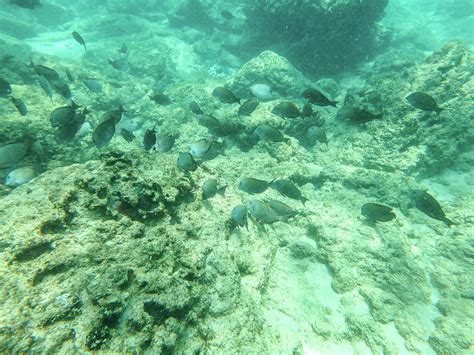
(317,36)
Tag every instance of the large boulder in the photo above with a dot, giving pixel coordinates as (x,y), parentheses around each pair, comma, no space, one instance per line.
(272,69)
(317,36)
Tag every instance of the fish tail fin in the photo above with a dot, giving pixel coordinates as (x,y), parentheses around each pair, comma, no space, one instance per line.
(333,103)
(448,222)
(438,110)
(85,48)
(74,105)
(304,200)
(202,166)
(285,217)
(221,190)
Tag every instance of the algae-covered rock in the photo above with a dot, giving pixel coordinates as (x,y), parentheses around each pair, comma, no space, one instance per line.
(407,139)
(102,263)
(317,36)
(121,253)
(274,70)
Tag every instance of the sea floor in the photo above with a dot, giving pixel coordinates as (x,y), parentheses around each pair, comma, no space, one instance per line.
(115,249)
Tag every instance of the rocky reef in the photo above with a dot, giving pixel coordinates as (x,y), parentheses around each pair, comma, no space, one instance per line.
(411,140)
(318,36)
(121,253)
(109,260)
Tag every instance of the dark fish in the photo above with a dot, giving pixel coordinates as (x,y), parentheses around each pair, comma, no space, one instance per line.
(103,133)
(253,186)
(205,149)
(127,135)
(210,189)
(194,107)
(247,107)
(318,134)
(356,115)
(93,85)
(63,89)
(164,142)
(263,213)
(79,39)
(115,84)
(11,154)
(286,109)
(210,122)
(429,206)
(186,162)
(161,99)
(26,4)
(317,98)
(115,115)
(423,101)
(5,88)
(119,64)
(269,133)
(149,139)
(239,215)
(377,212)
(288,189)
(69,75)
(281,208)
(307,110)
(63,115)
(227,15)
(200,147)
(67,132)
(225,96)
(123,49)
(20,106)
(46,86)
(214,125)
(47,72)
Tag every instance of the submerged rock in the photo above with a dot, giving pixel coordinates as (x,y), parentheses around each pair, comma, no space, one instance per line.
(271,68)
(290,27)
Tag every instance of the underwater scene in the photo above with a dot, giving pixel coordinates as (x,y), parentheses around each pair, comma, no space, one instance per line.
(237,177)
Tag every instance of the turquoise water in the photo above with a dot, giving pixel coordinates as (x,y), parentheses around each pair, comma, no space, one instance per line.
(248,177)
